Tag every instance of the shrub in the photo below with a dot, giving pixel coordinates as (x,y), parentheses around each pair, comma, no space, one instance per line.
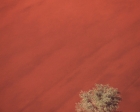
(102,98)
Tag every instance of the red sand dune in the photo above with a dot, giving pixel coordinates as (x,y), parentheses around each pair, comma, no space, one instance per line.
(50,50)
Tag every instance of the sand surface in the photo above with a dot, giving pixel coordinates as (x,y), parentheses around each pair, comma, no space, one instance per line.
(50,50)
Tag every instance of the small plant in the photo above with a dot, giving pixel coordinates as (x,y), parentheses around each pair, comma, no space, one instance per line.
(102,98)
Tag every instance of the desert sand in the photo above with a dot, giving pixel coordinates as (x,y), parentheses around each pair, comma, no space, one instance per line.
(50,50)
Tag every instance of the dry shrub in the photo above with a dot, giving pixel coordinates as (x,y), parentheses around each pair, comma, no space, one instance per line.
(102,98)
